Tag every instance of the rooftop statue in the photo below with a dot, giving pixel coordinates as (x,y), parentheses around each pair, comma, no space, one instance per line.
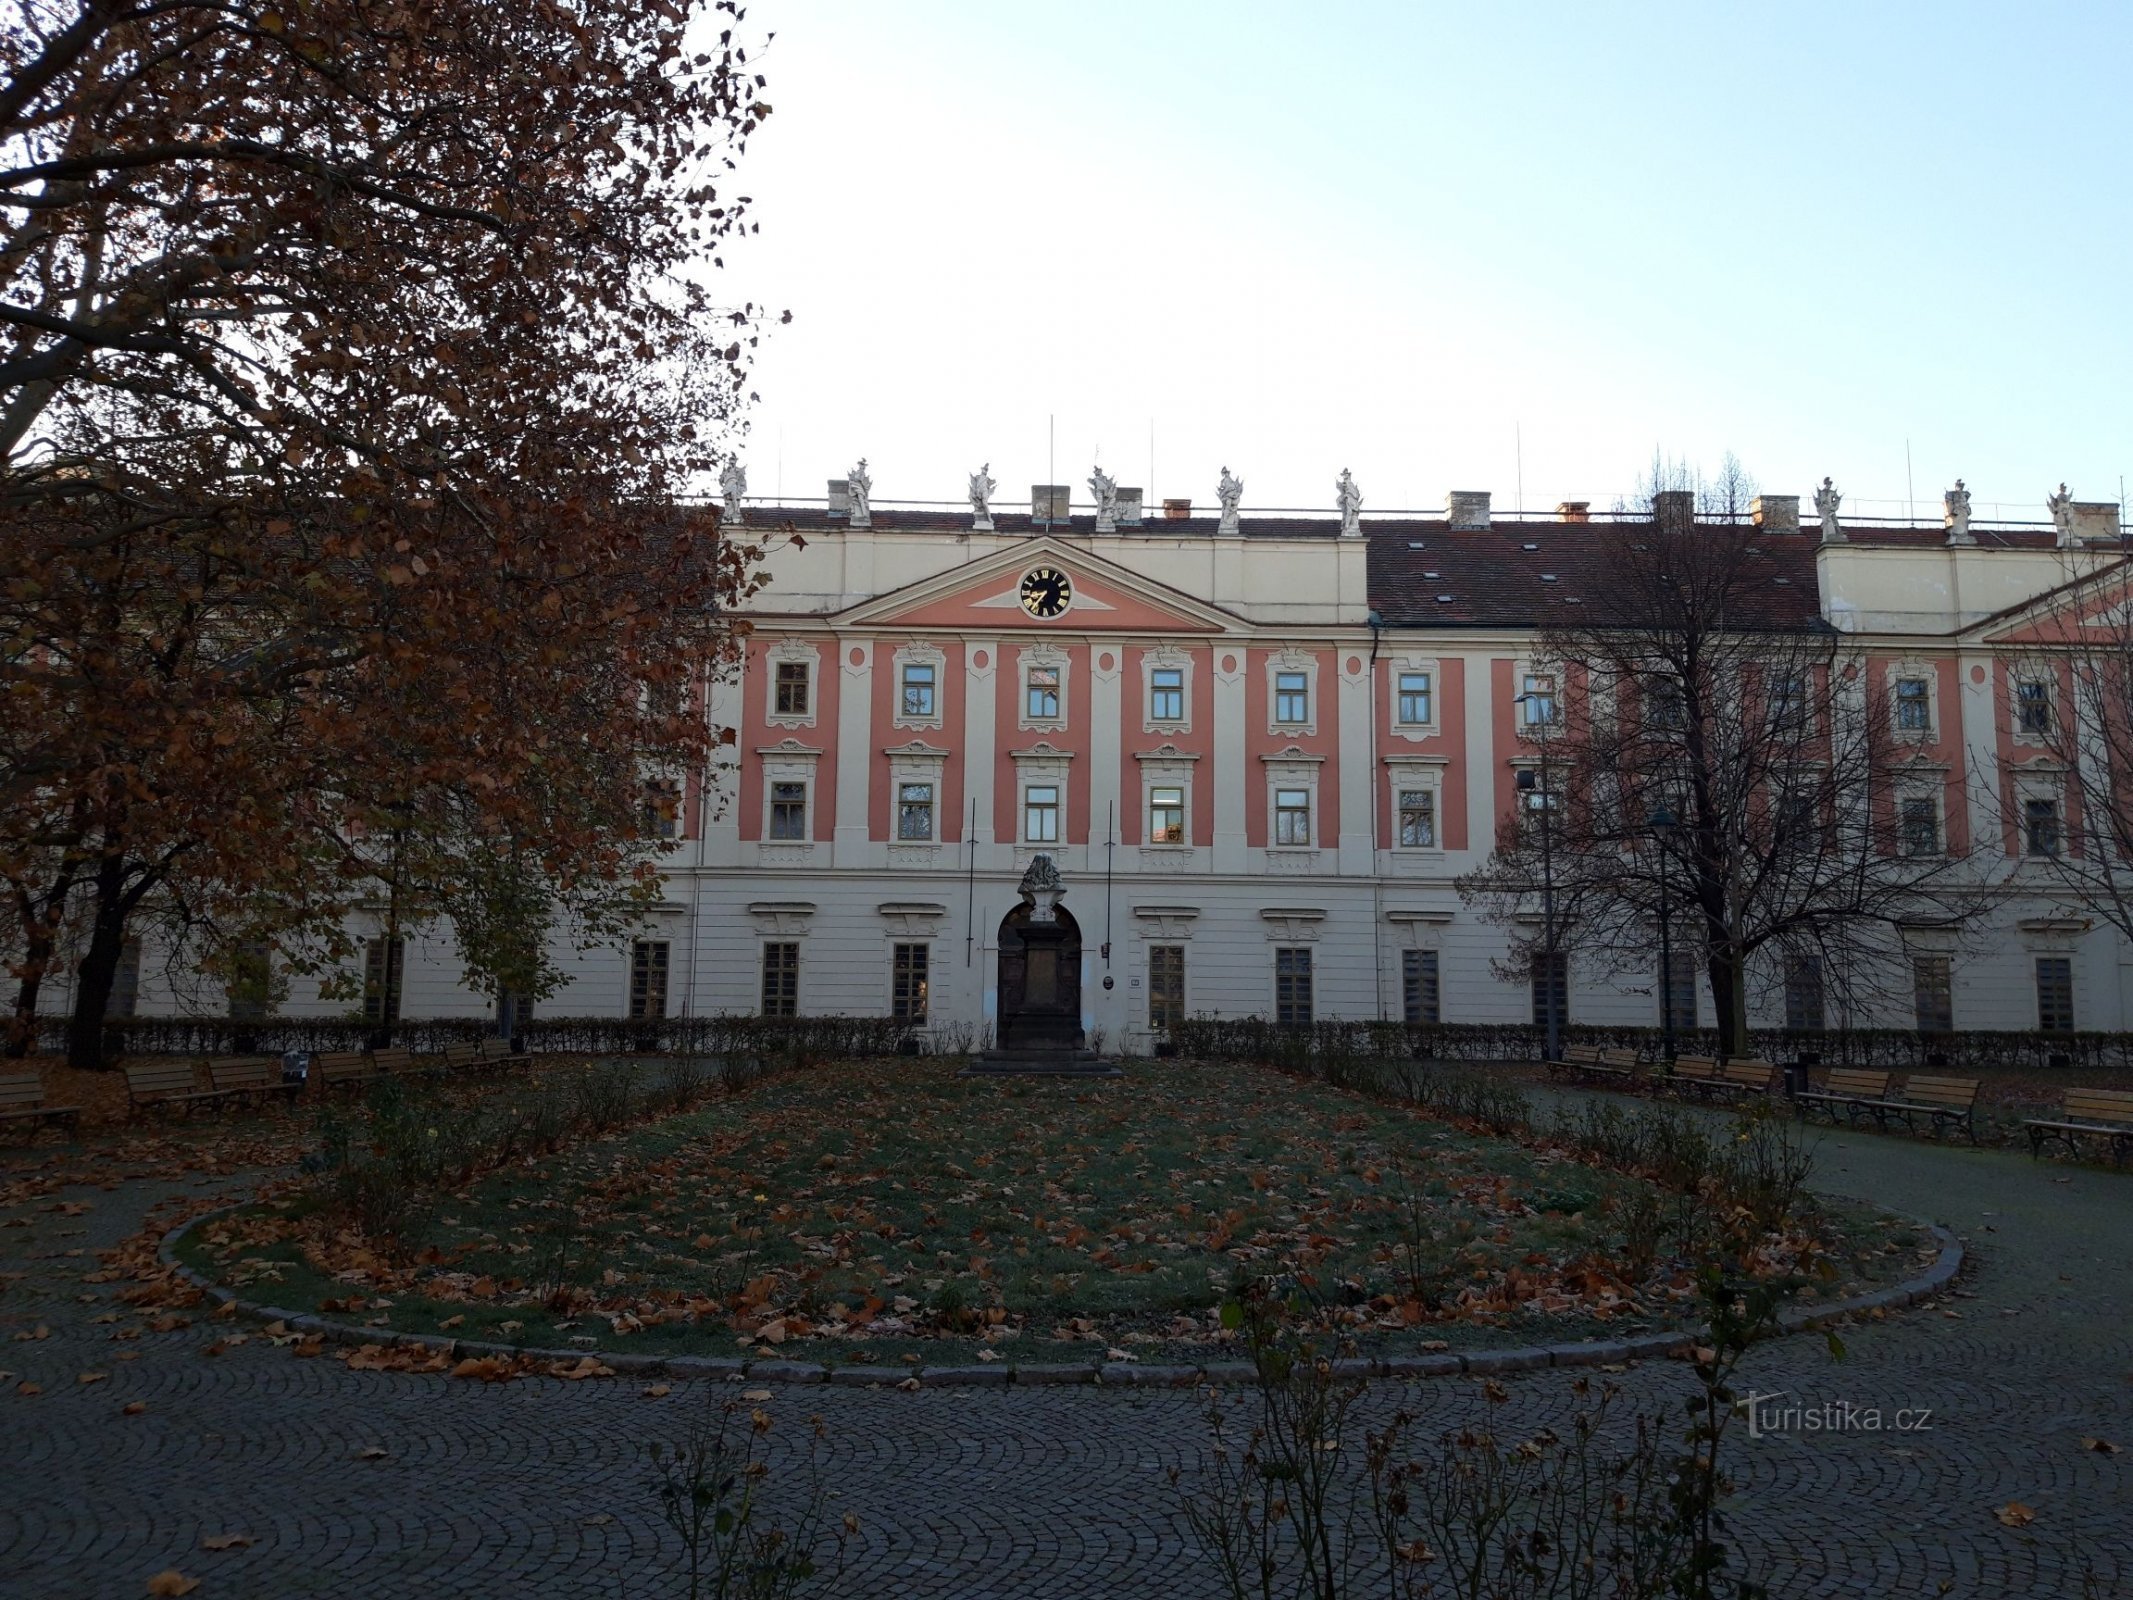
(732,485)
(1105,488)
(1229,491)
(981,491)
(2061,506)
(1826,502)
(1351,503)
(1956,502)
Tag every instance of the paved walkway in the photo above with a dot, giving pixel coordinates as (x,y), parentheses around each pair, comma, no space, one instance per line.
(540,1488)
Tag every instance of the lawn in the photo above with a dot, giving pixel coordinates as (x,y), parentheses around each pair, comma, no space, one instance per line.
(873,1210)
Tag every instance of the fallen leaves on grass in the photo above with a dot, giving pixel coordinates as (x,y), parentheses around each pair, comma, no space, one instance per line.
(171,1582)
(227,1541)
(2014,1514)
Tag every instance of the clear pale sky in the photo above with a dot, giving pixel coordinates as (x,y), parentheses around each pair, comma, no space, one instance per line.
(1421,240)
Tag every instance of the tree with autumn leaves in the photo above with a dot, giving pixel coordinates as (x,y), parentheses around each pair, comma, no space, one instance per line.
(357,356)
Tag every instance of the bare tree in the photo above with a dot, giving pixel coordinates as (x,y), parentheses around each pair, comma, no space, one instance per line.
(1718,774)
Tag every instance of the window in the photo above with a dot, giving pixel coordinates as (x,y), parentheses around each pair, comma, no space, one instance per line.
(918,689)
(1667,708)
(1932,994)
(1292,816)
(1166,694)
(788,811)
(781,980)
(1677,991)
(1803,993)
(914,812)
(1797,810)
(1414,698)
(1418,986)
(1292,697)
(1292,986)
(248,984)
(384,960)
(1536,701)
(1914,705)
(1040,813)
(2033,708)
(1534,806)
(2055,994)
(1920,826)
(1166,986)
(1043,692)
(792,689)
(648,979)
(659,814)
(2040,827)
(1418,819)
(907,984)
(126,983)
(1788,701)
(1551,988)
(1166,815)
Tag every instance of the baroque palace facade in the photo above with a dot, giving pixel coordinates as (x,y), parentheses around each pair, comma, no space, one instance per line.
(1258,751)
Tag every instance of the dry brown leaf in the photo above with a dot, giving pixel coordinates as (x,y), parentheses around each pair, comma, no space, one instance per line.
(133,1408)
(909,1385)
(658,1391)
(227,1541)
(87,1378)
(2015,1514)
(170,1581)
(2102,1447)
(453,1322)
(28,1388)
(755,1394)
(371,1452)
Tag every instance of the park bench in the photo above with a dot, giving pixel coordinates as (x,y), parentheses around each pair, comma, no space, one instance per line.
(1699,1073)
(1849,1089)
(486,1055)
(395,1063)
(168,1084)
(256,1078)
(22,1100)
(2104,1113)
(1623,1065)
(1747,1076)
(334,1069)
(1950,1102)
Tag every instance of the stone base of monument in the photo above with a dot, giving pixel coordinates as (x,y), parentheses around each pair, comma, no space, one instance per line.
(1040,1061)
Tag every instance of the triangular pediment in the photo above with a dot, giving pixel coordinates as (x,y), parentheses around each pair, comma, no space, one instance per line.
(986,596)
(2089,610)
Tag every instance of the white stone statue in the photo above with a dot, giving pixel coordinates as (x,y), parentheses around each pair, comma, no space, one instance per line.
(1105,488)
(1826,502)
(981,491)
(732,485)
(1956,514)
(2061,506)
(1351,504)
(861,488)
(1229,491)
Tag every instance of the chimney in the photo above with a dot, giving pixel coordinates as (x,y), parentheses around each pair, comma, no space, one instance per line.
(1467,510)
(840,497)
(1573,511)
(1674,510)
(2095,521)
(1780,513)
(1177,510)
(1048,503)
(1129,508)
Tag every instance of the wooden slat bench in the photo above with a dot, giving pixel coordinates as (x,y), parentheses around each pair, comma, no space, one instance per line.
(1850,1090)
(334,1069)
(1578,1060)
(395,1062)
(1698,1073)
(251,1078)
(1749,1076)
(22,1100)
(1950,1102)
(2101,1113)
(168,1084)
(1624,1066)
(486,1055)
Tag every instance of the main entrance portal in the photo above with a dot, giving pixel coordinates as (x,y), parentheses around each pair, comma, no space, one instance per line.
(1040,981)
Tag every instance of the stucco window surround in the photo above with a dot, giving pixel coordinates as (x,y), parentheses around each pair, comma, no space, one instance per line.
(1164,924)
(2033,677)
(1531,721)
(781,919)
(789,761)
(1290,659)
(2036,782)
(1292,924)
(1056,658)
(792,650)
(1292,771)
(1398,667)
(1407,776)
(1042,766)
(910,922)
(916,763)
(1921,782)
(1166,767)
(918,654)
(1911,669)
(1167,658)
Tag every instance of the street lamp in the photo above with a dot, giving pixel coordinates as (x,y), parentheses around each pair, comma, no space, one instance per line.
(1661,821)
(1544,793)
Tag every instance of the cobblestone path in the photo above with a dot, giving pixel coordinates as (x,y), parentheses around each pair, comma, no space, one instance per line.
(540,1487)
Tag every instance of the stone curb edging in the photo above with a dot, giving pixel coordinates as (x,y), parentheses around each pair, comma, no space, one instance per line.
(1109,1374)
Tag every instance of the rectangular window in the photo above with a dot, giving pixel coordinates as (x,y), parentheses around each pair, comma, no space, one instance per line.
(648,979)
(1668,710)
(1551,988)
(1796,811)
(1418,986)
(1914,705)
(1932,994)
(1292,986)
(1166,694)
(1414,698)
(1166,815)
(1040,814)
(126,983)
(1803,993)
(918,689)
(1292,697)
(914,812)
(781,980)
(1043,692)
(659,815)
(792,689)
(248,985)
(788,811)
(1788,701)
(2033,708)
(2055,994)
(1678,991)
(1536,701)
(384,960)
(907,984)
(1418,819)
(1921,825)
(1166,986)
(2040,827)
(1292,816)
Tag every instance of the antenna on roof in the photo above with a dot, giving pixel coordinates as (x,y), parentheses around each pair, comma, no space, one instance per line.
(1910,501)
(1518,448)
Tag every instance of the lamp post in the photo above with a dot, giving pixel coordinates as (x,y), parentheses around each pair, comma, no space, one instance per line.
(1545,794)
(1661,822)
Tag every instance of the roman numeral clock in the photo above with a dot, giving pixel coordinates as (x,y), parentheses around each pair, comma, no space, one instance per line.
(1046,593)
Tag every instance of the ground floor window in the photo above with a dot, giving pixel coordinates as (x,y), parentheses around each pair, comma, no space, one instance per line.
(648,979)
(1677,991)
(907,984)
(384,963)
(1166,986)
(1292,986)
(1551,988)
(126,982)
(2055,994)
(1803,994)
(1933,994)
(1418,985)
(781,980)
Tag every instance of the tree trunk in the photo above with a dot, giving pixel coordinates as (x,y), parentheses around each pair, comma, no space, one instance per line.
(98,970)
(1728,973)
(22,1026)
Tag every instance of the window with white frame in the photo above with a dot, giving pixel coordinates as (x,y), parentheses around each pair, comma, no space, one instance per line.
(1166,814)
(1166,986)
(792,692)
(1040,813)
(1665,709)
(781,978)
(1788,701)
(2040,825)
(919,692)
(1933,993)
(648,979)
(2055,994)
(2033,708)
(1417,699)
(788,809)
(1418,818)
(908,980)
(1166,694)
(1292,698)
(1537,703)
(1803,993)
(914,813)
(1293,998)
(1914,705)
(1040,685)
(1419,993)
(659,809)
(1918,824)
(1292,817)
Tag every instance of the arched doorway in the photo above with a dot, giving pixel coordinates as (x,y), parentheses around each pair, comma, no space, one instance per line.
(1040,981)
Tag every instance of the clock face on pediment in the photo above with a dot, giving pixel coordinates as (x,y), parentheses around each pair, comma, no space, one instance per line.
(1046,592)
